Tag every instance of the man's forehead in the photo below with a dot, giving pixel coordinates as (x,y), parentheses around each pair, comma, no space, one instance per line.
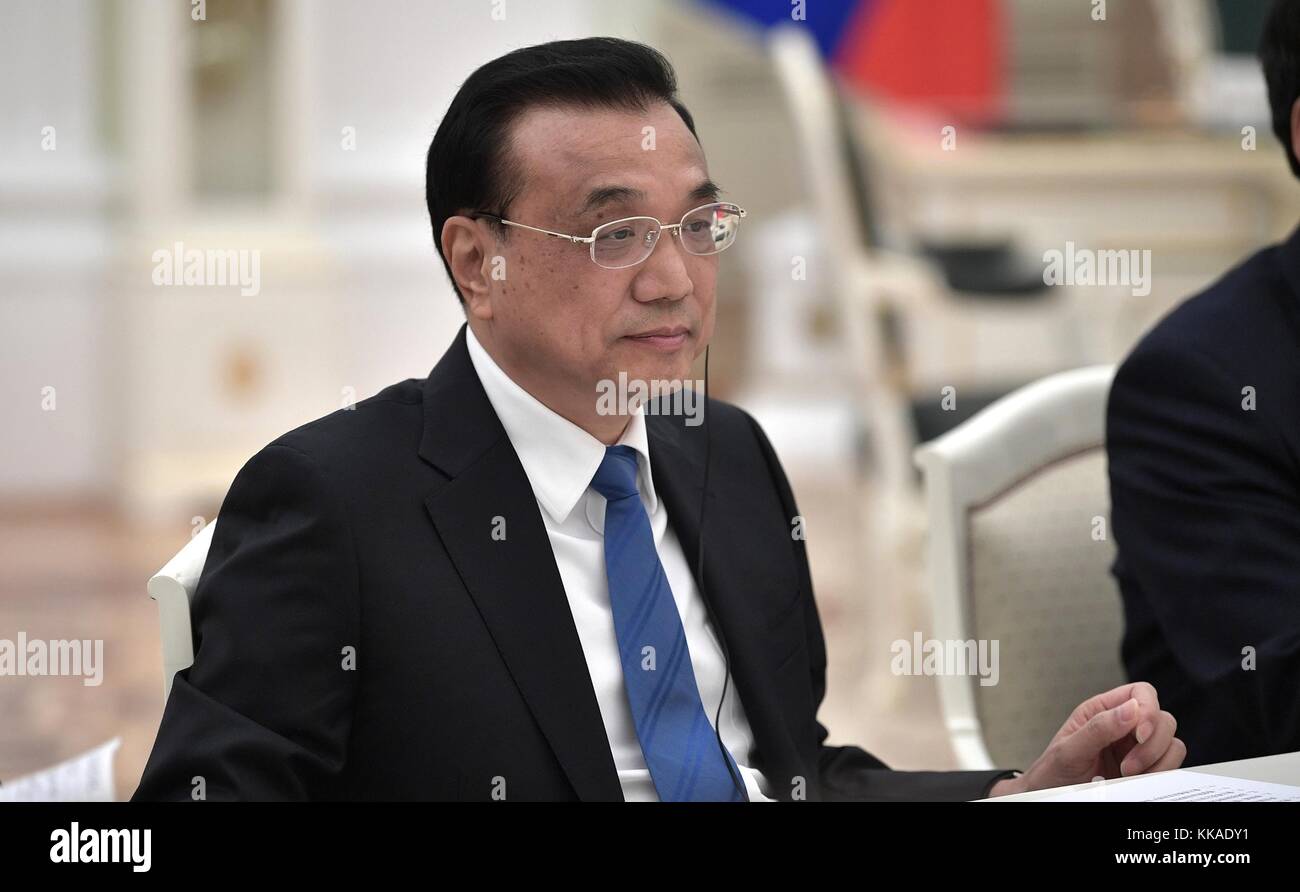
(580,159)
(576,131)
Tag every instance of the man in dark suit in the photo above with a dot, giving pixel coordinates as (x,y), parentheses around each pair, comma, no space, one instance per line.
(1203,436)
(481,584)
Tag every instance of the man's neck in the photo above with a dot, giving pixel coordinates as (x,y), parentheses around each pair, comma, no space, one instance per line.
(580,411)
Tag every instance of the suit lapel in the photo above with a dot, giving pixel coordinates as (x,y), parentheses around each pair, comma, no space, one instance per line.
(730,574)
(513,578)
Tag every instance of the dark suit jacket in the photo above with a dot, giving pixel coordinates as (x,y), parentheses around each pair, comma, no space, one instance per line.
(1206,509)
(370,529)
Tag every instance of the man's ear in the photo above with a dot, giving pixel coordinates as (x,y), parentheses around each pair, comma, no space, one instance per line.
(1295,129)
(465,245)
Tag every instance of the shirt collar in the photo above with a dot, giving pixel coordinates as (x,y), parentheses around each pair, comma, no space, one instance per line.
(559,457)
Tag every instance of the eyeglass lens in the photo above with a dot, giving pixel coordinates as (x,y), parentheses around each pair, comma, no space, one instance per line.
(705,230)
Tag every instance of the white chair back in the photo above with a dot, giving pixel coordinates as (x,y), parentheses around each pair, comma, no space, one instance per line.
(1019,553)
(173,588)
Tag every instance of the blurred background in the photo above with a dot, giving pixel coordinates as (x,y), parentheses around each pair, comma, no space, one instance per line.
(907,165)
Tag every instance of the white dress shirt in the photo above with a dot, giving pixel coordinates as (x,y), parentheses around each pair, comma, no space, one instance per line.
(560,459)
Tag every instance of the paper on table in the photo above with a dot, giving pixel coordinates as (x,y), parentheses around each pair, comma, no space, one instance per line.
(1180,786)
(84,778)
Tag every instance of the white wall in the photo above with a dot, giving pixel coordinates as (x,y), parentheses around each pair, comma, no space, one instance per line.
(53,249)
(354,295)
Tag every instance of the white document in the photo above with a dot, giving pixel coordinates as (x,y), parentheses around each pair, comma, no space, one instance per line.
(84,778)
(1180,786)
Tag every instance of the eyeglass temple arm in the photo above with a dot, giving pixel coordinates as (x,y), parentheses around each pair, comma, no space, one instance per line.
(577,239)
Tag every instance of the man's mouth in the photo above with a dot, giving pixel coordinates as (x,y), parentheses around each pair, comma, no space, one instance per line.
(665,338)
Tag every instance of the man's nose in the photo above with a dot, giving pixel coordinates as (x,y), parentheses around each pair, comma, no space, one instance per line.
(663,275)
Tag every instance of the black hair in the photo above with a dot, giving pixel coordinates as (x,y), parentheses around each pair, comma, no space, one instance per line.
(470,167)
(1279,55)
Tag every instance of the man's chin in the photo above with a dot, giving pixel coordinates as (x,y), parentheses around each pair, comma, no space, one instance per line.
(648,363)
(651,385)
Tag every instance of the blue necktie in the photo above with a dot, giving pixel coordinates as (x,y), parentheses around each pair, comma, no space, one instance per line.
(679,745)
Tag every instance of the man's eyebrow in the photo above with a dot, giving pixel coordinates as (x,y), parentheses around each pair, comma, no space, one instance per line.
(706,191)
(603,195)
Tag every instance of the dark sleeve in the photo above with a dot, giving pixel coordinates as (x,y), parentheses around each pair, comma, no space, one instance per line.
(849,773)
(265,710)
(1204,514)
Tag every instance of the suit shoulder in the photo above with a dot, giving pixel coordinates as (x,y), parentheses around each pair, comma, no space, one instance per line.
(720,426)
(367,431)
(729,417)
(1232,322)
(730,423)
